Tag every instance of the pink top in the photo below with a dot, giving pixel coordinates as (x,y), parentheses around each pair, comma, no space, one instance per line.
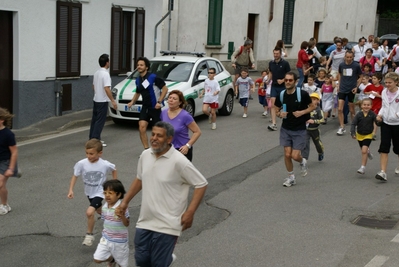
(327,88)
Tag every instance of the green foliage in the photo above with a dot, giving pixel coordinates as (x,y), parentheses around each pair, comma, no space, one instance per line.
(390,14)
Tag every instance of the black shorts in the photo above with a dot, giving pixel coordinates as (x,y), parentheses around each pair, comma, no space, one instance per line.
(96,202)
(148,113)
(350,95)
(365,142)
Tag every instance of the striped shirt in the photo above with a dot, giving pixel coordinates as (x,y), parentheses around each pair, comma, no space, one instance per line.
(114,230)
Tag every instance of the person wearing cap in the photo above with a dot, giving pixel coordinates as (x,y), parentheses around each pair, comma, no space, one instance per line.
(316,118)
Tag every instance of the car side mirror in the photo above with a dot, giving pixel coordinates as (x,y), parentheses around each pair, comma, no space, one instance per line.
(202,78)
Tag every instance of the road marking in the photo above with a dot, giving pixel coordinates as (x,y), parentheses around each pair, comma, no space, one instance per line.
(395,239)
(377,261)
(56,135)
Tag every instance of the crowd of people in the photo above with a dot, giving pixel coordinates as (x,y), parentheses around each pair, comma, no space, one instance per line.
(362,81)
(346,82)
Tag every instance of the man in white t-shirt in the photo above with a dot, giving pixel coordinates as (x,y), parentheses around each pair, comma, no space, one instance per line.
(359,50)
(164,175)
(102,95)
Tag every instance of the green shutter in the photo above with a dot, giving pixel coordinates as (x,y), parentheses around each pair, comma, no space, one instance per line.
(288,21)
(215,22)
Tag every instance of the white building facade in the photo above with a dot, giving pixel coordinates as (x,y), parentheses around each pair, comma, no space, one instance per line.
(49,49)
(210,25)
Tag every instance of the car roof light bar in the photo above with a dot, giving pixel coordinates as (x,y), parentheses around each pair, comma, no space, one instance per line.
(168,53)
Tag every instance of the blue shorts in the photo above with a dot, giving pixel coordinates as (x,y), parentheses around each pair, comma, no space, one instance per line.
(294,139)
(244,102)
(262,100)
(276,90)
(153,248)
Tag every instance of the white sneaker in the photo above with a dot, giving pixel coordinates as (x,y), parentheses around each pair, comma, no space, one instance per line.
(361,170)
(213,126)
(381,175)
(290,181)
(264,114)
(304,167)
(210,119)
(369,155)
(4,209)
(245,115)
(341,131)
(173,259)
(104,144)
(88,241)
(397,170)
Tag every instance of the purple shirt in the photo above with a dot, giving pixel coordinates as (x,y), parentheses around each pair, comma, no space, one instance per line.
(180,124)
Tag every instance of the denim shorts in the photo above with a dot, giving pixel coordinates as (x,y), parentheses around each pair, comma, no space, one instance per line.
(4,167)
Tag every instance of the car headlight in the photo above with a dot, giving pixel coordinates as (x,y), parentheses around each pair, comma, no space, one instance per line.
(114,92)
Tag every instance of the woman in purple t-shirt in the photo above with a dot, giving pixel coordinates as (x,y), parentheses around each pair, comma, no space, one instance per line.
(182,121)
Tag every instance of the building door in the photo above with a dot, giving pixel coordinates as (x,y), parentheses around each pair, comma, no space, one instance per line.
(139,35)
(316,30)
(251,28)
(6,62)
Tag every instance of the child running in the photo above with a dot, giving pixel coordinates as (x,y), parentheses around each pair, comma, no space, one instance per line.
(362,130)
(364,82)
(261,83)
(8,158)
(244,85)
(93,170)
(316,118)
(311,86)
(211,99)
(374,91)
(114,243)
(327,89)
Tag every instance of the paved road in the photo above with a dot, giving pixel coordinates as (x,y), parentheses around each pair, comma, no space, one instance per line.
(248,218)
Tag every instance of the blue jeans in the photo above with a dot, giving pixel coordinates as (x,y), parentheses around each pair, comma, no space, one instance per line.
(301,77)
(98,119)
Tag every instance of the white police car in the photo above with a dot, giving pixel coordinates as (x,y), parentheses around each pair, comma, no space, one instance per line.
(186,73)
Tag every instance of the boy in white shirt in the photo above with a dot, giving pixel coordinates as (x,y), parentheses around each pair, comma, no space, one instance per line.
(93,170)
(211,99)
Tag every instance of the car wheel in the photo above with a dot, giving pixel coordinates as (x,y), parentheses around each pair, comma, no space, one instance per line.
(228,104)
(190,107)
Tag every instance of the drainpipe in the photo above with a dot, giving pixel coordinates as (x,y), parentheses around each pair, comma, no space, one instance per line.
(159,22)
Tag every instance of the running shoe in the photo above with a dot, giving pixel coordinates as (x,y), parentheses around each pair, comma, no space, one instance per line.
(264,114)
(341,131)
(4,209)
(321,156)
(88,241)
(397,170)
(361,170)
(369,155)
(381,175)
(272,127)
(173,259)
(290,181)
(304,167)
(213,126)
(244,115)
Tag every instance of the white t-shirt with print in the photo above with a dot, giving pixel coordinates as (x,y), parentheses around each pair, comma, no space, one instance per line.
(93,175)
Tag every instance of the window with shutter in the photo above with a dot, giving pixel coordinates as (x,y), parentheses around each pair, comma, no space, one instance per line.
(288,21)
(139,35)
(215,22)
(121,41)
(69,35)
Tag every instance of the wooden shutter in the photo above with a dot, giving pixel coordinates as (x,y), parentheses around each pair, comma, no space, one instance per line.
(116,37)
(139,35)
(69,32)
(288,21)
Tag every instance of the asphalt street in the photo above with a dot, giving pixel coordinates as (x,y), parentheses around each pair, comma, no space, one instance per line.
(247,219)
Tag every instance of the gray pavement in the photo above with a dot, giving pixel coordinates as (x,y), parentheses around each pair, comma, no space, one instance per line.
(258,221)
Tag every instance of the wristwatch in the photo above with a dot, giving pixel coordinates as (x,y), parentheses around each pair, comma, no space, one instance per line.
(159,102)
(188,145)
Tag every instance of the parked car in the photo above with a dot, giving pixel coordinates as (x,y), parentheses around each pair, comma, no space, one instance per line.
(322,47)
(183,71)
(391,39)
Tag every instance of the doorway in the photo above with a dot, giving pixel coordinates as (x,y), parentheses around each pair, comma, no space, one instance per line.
(6,60)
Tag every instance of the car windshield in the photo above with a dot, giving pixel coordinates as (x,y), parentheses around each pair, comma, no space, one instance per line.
(170,70)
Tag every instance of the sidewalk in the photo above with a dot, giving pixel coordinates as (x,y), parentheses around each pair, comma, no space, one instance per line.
(54,125)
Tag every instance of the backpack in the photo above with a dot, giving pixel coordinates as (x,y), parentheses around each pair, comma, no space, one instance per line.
(239,53)
(298,95)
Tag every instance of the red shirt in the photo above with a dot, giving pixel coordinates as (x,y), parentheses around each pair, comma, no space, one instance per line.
(303,58)
(261,90)
(377,101)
